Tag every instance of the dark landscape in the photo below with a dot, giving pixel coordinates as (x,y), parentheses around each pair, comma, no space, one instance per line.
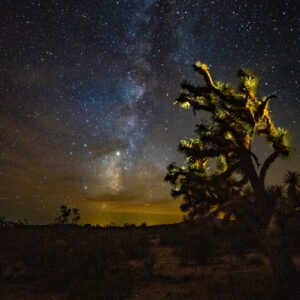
(180,261)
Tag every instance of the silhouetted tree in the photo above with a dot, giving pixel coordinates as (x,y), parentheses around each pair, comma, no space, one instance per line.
(275,193)
(76,215)
(64,215)
(2,221)
(144,224)
(225,141)
(292,181)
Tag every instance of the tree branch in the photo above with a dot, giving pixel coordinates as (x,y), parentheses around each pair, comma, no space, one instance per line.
(195,90)
(267,164)
(249,168)
(225,205)
(204,71)
(255,158)
(210,107)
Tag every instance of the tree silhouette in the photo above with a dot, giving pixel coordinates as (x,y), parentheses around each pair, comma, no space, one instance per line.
(292,181)
(76,215)
(221,163)
(64,215)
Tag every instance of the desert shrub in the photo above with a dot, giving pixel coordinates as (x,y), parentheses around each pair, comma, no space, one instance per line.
(236,238)
(293,232)
(62,256)
(113,284)
(240,245)
(254,259)
(193,242)
(198,244)
(241,239)
(136,245)
(149,263)
(171,235)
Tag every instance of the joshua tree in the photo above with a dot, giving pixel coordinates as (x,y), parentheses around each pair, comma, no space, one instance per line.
(64,215)
(292,181)
(237,117)
(76,215)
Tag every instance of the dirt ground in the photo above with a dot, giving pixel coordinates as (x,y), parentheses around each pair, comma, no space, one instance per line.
(25,292)
(225,278)
(178,281)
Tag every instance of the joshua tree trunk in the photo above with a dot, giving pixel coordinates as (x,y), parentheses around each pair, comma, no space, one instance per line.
(276,247)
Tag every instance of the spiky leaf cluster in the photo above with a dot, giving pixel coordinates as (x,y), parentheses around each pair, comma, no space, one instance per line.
(237,115)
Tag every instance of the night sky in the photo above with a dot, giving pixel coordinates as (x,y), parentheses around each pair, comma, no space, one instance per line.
(86,92)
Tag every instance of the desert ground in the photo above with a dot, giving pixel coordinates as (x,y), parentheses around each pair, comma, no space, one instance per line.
(146,263)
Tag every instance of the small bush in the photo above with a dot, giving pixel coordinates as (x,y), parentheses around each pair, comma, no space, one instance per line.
(113,284)
(198,244)
(193,242)
(254,259)
(171,236)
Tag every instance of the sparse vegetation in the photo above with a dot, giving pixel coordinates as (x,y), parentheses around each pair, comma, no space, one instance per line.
(87,263)
(66,213)
(181,261)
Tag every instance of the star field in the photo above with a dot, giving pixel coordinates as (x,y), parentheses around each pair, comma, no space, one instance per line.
(86,90)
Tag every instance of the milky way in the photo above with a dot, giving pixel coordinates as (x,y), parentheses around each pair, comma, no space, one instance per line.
(87,88)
